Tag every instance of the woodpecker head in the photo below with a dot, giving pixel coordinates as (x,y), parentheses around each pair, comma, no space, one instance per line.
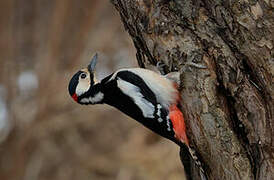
(83,80)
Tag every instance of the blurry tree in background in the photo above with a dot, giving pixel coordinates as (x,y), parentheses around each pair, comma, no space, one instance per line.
(43,134)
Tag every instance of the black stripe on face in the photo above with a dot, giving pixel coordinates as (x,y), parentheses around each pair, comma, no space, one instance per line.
(73,83)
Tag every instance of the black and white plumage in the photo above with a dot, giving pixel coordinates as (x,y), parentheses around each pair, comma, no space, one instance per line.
(142,94)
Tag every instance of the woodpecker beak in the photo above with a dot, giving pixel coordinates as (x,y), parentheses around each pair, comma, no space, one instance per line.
(92,64)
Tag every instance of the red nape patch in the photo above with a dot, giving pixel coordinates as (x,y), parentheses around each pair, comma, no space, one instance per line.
(178,122)
(74,96)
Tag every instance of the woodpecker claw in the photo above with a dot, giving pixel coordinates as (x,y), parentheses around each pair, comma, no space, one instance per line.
(173,76)
(161,66)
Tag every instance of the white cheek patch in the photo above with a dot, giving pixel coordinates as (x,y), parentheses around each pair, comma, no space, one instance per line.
(133,91)
(82,87)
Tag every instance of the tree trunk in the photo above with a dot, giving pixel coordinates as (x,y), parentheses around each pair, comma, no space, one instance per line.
(228,106)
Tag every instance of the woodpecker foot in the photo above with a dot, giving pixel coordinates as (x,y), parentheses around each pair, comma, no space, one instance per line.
(173,76)
(162,67)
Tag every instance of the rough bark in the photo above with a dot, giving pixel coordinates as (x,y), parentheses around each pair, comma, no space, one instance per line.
(228,106)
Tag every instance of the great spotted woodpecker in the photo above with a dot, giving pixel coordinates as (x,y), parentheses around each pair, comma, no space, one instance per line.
(144,95)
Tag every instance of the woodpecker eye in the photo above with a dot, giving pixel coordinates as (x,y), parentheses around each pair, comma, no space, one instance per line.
(83,76)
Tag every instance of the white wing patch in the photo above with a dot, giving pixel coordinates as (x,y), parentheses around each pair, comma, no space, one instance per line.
(133,91)
(159,113)
(162,87)
(95,99)
(168,123)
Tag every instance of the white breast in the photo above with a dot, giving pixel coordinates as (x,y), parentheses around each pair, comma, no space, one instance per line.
(95,99)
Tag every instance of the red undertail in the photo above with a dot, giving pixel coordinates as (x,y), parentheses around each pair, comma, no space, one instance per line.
(178,122)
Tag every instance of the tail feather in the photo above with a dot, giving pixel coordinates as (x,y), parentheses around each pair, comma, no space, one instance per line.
(188,157)
(186,160)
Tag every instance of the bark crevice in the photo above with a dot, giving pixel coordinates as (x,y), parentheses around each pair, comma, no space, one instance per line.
(239,129)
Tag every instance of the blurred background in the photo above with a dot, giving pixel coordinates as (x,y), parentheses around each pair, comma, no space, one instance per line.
(43,133)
